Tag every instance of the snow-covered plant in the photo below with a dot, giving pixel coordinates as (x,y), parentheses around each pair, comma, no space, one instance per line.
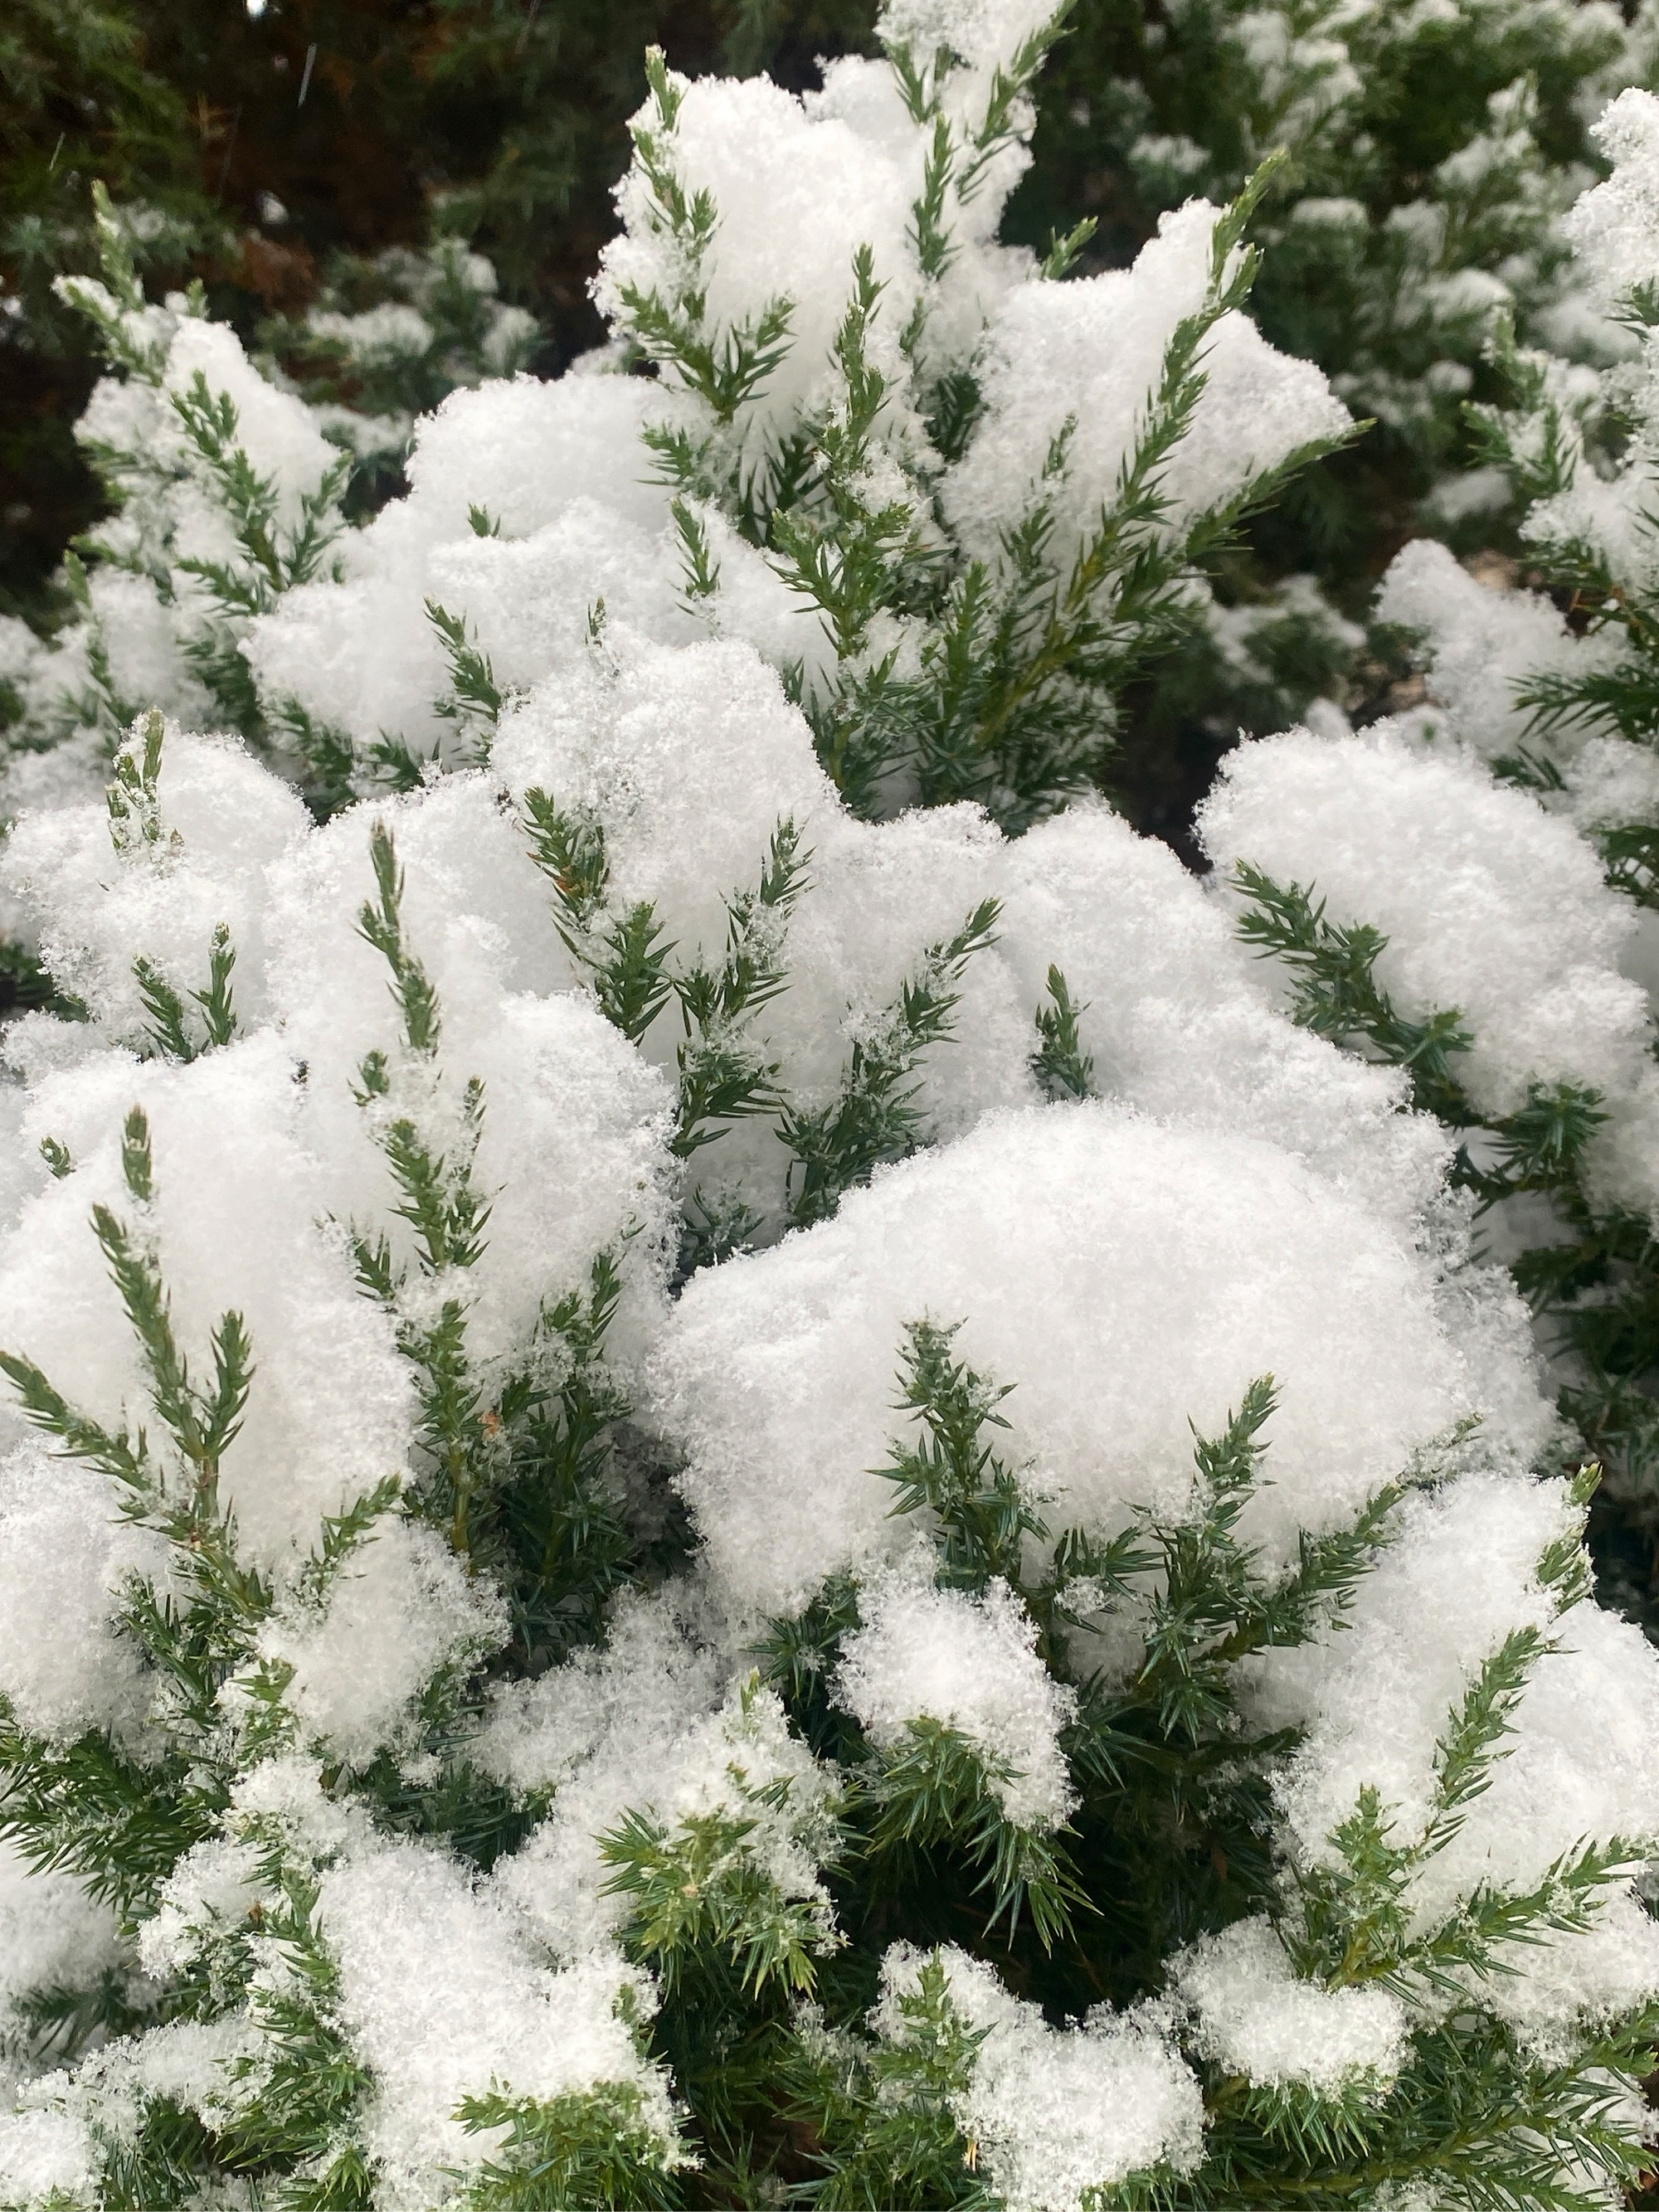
(1432,152)
(226,494)
(728,1471)
(388,338)
(1551,696)
(957,502)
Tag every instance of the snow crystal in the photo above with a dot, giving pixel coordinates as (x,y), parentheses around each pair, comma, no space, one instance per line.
(1179,1019)
(1256,2016)
(1480,644)
(981,32)
(525,450)
(968,1661)
(541,460)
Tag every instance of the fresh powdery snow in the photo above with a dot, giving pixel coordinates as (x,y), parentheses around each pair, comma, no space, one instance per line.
(704,1377)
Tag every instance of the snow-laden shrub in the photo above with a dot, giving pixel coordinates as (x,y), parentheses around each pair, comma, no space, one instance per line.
(1433,152)
(1540,718)
(731,1465)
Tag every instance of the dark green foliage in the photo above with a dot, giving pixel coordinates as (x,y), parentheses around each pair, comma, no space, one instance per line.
(591,2149)
(881,2117)
(1062,1067)
(517,1472)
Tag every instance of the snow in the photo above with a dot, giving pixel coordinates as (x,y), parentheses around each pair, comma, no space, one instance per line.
(1480,644)
(658,1725)
(1613,227)
(1055,2113)
(442,1999)
(1160,1270)
(969,1663)
(1460,1576)
(1489,904)
(400,1610)
(1091,352)
(1240,1198)
(1256,2017)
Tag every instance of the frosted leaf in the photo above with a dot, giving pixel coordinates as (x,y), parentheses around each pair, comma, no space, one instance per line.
(1575,1985)
(1056,2113)
(570,1152)
(393,332)
(1255,2016)
(970,1663)
(1124,1276)
(689,759)
(273,429)
(210,1893)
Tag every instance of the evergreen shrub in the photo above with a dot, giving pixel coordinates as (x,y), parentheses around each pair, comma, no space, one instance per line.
(743,1462)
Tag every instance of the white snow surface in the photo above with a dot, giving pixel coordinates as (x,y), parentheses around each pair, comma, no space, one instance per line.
(1255,2016)
(970,1663)
(1126,1278)
(1056,2112)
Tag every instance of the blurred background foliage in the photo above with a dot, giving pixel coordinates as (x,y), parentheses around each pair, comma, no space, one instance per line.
(280,153)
